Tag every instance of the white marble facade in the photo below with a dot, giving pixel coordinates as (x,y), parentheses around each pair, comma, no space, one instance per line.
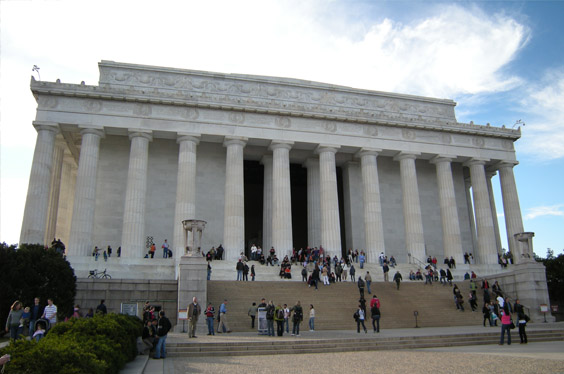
(404,162)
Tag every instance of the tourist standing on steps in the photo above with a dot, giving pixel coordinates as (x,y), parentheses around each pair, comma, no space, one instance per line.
(311,318)
(279,318)
(253,313)
(297,318)
(397,278)
(368,280)
(270,310)
(375,312)
(315,276)
(223,325)
(253,274)
(239,267)
(359,317)
(163,327)
(165,249)
(210,313)
(386,270)
(286,318)
(352,271)
(486,311)
(345,269)
(194,311)
(522,319)
(505,325)
(360,284)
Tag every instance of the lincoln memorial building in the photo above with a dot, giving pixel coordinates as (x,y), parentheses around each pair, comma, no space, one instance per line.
(277,162)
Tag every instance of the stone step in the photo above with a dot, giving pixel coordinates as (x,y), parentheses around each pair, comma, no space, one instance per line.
(344,345)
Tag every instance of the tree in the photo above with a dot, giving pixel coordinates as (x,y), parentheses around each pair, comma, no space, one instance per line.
(555,279)
(30,271)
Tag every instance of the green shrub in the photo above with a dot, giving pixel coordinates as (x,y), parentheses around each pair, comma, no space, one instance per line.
(99,345)
(30,271)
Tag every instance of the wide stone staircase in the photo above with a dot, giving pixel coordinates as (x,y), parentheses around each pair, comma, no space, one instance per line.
(335,304)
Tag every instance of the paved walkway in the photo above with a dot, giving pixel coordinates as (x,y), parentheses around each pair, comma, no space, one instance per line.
(531,358)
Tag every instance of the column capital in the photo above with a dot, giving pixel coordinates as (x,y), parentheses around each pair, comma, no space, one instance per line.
(476,161)
(147,134)
(506,164)
(49,126)
(311,162)
(490,173)
(275,144)
(368,152)
(406,155)
(321,148)
(230,140)
(92,130)
(441,158)
(185,136)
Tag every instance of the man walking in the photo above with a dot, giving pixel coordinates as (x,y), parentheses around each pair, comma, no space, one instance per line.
(163,327)
(223,318)
(385,269)
(397,279)
(368,280)
(194,311)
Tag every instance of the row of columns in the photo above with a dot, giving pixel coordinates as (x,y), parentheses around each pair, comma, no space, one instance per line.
(323,207)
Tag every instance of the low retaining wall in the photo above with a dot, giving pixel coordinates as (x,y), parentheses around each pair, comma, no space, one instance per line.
(89,292)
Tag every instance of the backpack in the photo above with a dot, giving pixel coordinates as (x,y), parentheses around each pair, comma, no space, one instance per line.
(298,314)
(280,314)
(269,312)
(356,315)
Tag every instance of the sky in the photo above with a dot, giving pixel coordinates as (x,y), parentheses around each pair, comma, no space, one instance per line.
(501,61)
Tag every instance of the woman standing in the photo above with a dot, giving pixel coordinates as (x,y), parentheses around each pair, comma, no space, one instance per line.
(359,316)
(523,319)
(311,318)
(505,324)
(13,321)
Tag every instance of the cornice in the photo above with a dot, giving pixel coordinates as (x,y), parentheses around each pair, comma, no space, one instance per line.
(398,111)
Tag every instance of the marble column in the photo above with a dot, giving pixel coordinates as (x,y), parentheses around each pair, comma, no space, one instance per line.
(414,238)
(267,203)
(66,199)
(511,208)
(234,213)
(487,253)
(133,230)
(36,204)
(51,229)
(281,199)
(80,241)
(313,203)
(329,200)
(489,175)
(470,206)
(185,206)
(452,241)
(373,224)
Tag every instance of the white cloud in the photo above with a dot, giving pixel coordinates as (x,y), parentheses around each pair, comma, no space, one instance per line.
(543,136)
(540,211)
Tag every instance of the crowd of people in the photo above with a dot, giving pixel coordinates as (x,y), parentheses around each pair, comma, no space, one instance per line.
(33,322)
(156,327)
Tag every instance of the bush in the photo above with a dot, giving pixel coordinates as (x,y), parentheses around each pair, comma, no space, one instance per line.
(99,345)
(30,271)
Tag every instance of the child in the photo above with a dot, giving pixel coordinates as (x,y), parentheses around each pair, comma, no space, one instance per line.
(24,321)
(39,331)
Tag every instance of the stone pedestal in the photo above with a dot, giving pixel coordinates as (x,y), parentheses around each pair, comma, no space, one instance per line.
(192,281)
